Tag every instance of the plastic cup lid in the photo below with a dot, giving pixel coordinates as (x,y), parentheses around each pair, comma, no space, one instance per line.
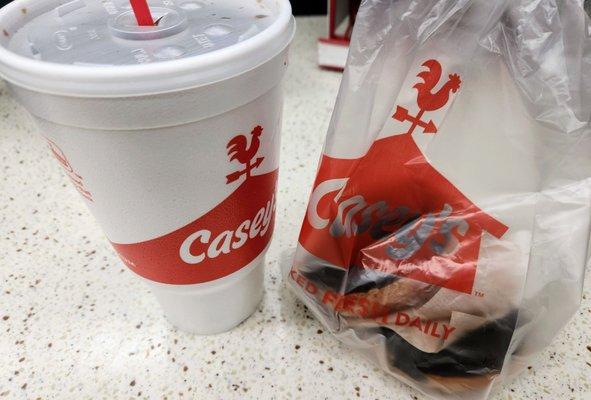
(96,48)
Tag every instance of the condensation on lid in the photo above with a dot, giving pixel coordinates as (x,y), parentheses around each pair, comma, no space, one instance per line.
(104,32)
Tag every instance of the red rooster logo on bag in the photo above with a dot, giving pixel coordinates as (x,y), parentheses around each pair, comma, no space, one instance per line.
(426,100)
(392,211)
(238,149)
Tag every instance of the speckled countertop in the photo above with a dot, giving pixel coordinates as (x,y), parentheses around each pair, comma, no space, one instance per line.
(75,324)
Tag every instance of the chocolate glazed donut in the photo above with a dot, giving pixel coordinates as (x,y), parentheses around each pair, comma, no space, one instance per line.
(479,353)
(476,356)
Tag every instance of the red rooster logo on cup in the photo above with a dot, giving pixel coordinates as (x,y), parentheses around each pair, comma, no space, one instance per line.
(238,149)
(426,100)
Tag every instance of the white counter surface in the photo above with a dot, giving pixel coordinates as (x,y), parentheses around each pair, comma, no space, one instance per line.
(76,324)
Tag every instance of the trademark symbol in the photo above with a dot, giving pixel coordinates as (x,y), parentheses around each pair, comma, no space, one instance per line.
(478,294)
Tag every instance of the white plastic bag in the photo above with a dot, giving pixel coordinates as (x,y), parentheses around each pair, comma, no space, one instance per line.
(447,232)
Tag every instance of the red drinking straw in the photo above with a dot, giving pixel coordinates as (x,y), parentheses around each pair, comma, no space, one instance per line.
(142,12)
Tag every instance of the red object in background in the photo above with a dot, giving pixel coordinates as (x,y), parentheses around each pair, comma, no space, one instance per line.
(333,50)
(142,12)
